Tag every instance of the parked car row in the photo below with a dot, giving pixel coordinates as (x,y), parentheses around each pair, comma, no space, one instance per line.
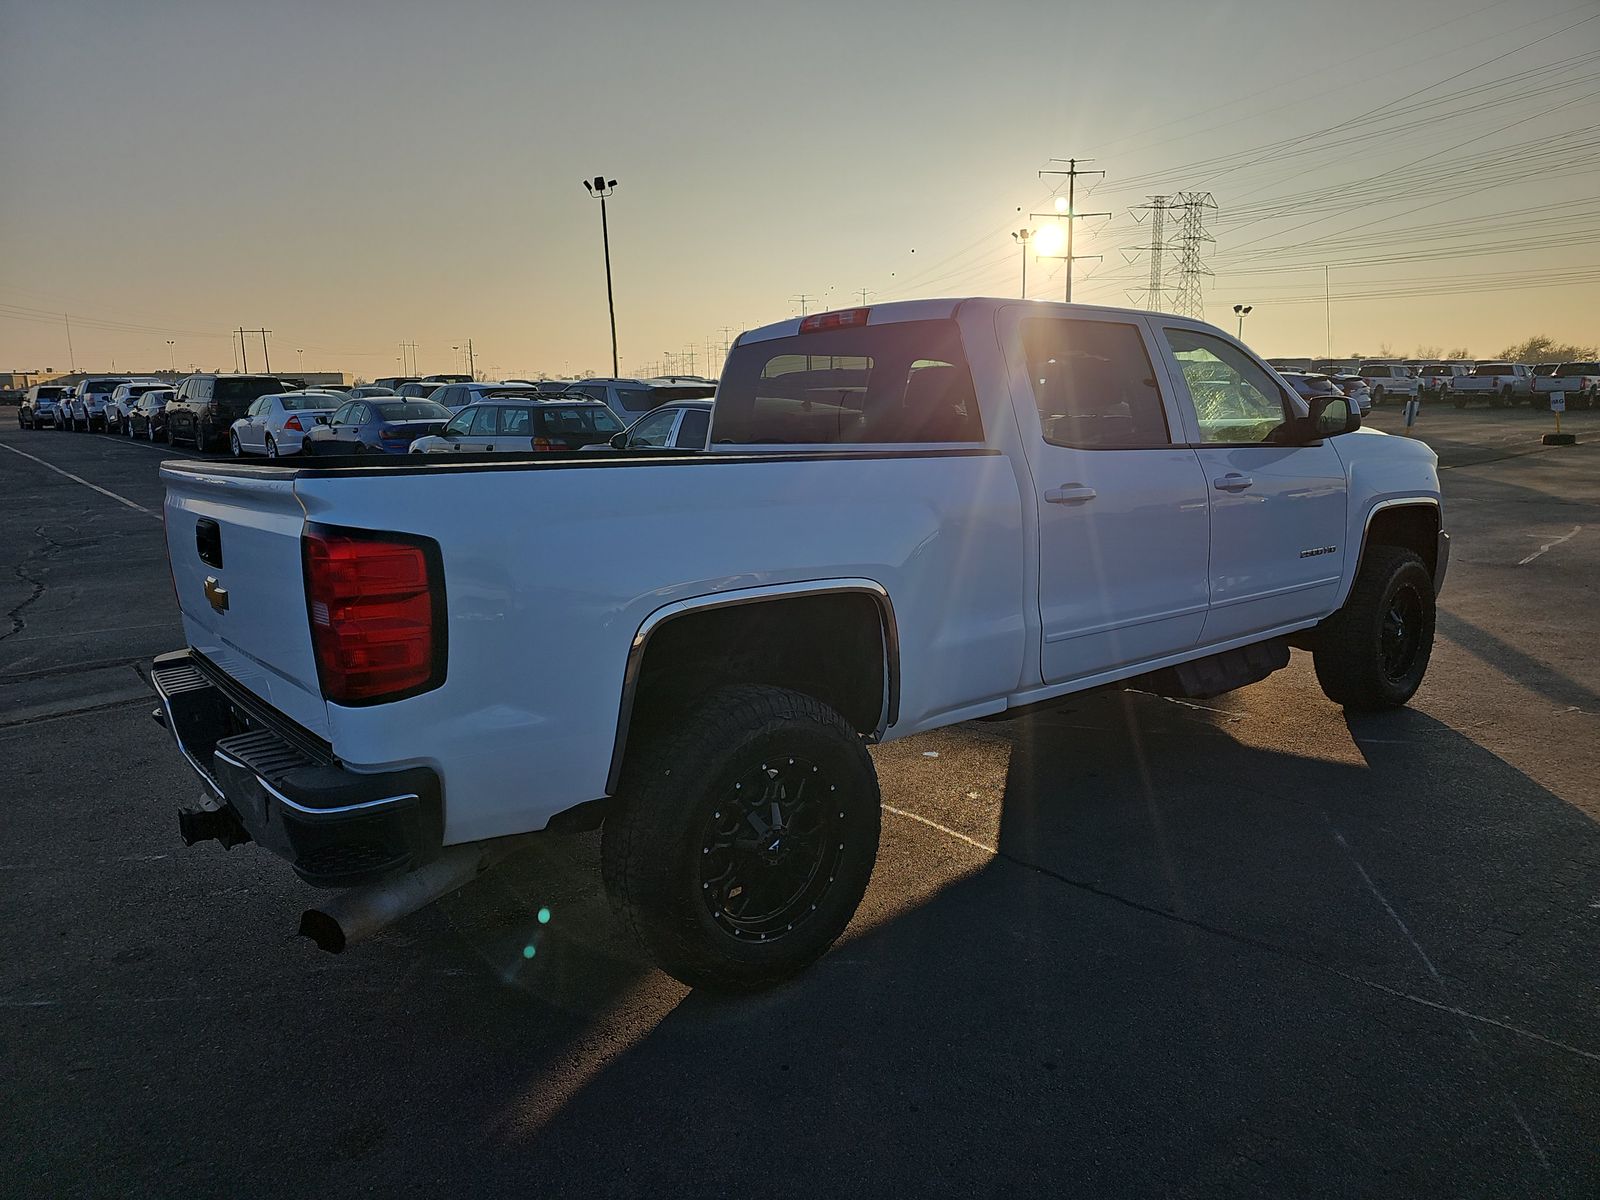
(1501,384)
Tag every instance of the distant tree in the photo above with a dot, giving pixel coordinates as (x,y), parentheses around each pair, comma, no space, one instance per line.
(1385,350)
(1541,349)
(1458,353)
(1429,352)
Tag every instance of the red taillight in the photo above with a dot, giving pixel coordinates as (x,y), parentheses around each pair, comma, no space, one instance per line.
(845,318)
(544,443)
(294,424)
(377,615)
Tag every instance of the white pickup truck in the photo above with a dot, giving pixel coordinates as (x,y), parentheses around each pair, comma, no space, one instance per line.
(1578,382)
(1500,383)
(910,515)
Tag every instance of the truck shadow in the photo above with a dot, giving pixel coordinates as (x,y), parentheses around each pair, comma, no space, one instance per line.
(1191,966)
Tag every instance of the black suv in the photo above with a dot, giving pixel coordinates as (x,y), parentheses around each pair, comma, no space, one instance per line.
(206,406)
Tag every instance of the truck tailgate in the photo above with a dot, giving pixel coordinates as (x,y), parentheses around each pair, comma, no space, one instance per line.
(234,544)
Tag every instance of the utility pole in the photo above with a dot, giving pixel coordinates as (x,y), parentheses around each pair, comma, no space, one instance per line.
(243,353)
(601,187)
(72,360)
(864,294)
(472,363)
(1021,237)
(801,300)
(1071,211)
(1327,309)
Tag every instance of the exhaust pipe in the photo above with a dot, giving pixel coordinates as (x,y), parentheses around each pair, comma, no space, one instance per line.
(355,914)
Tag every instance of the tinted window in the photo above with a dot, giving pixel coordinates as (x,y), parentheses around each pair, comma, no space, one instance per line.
(483,419)
(1094,385)
(1494,369)
(692,432)
(595,391)
(1235,400)
(557,420)
(641,400)
(904,382)
(240,391)
(413,410)
(1580,368)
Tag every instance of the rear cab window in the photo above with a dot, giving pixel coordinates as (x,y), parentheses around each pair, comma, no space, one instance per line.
(901,382)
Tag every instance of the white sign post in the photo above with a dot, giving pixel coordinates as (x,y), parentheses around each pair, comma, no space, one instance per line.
(1412,411)
(1558,405)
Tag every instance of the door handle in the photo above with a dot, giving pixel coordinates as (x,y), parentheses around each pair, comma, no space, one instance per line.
(1232,482)
(1072,493)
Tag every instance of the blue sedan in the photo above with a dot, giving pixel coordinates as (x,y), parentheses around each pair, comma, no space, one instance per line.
(376,424)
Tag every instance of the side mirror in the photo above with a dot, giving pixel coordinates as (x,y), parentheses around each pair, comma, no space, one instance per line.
(619,441)
(1331,416)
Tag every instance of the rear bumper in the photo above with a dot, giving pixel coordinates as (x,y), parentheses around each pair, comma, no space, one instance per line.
(265,783)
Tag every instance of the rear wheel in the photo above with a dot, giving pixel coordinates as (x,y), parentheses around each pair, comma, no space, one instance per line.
(743,838)
(233,446)
(272,447)
(1373,652)
(1377,395)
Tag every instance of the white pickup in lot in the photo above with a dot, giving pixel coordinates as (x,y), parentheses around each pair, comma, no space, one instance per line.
(909,516)
(1579,382)
(1500,383)
(1389,379)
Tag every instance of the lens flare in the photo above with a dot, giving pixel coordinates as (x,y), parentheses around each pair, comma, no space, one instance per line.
(544,916)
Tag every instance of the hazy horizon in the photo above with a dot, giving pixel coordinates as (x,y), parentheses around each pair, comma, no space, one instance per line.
(358,175)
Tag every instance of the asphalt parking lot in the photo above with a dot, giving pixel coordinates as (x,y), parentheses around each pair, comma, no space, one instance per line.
(1135,947)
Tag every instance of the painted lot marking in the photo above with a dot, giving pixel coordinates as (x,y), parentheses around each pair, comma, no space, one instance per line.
(1548,546)
(93,487)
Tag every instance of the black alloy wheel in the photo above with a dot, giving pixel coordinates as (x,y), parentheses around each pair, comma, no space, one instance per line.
(770,849)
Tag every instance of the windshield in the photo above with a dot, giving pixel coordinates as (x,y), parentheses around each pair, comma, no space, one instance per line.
(643,399)
(412,410)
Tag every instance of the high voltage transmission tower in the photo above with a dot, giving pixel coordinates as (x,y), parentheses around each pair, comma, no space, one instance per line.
(1192,237)
(1158,208)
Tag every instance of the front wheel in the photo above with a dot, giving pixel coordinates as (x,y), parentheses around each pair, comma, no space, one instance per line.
(1373,652)
(233,446)
(743,838)
(1377,396)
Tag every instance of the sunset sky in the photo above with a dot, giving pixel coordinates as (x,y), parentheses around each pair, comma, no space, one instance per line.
(354,175)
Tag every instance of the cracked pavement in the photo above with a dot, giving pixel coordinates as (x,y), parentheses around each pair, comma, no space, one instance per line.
(1245,947)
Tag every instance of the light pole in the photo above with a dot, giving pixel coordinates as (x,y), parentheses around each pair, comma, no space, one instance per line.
(1021,237)
(301,360)
(1242,311)
(172,356)
(600,187)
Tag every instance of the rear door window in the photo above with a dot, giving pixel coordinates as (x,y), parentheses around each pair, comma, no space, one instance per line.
(897,383)
(1094,385)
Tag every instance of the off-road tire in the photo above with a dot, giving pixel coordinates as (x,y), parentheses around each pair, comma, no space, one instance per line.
(676,786)
(1350,657)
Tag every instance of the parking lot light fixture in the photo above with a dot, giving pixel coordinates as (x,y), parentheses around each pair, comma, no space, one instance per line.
(1242,311)
(600,187)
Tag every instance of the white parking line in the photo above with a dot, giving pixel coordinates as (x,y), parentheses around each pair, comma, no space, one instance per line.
(1576,529)
(93,487)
